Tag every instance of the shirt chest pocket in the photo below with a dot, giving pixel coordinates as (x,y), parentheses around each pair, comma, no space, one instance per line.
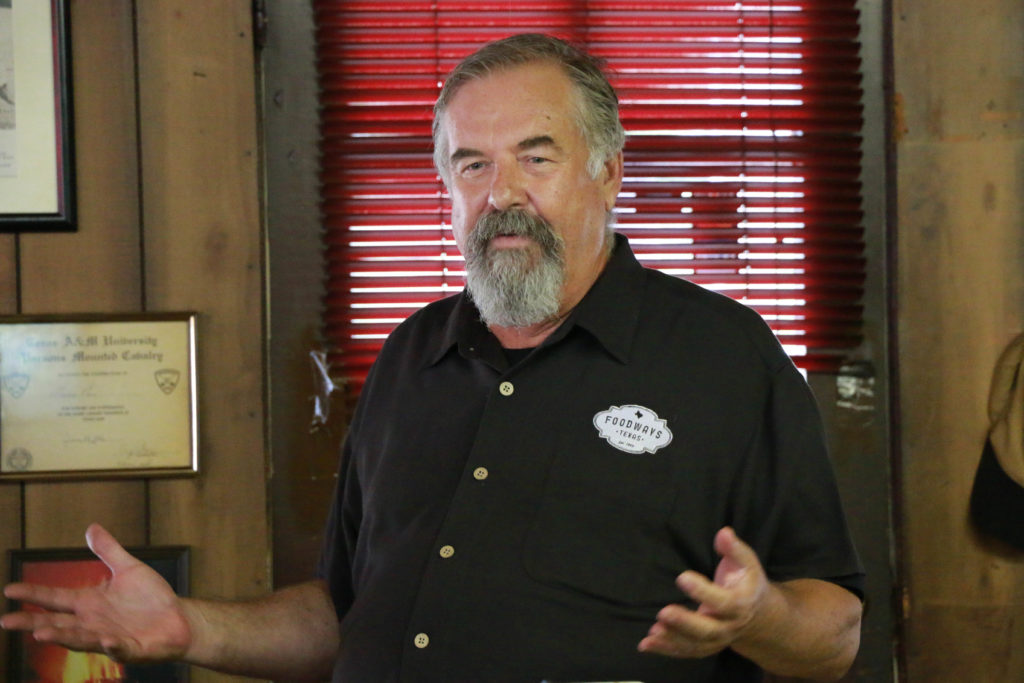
(602,526)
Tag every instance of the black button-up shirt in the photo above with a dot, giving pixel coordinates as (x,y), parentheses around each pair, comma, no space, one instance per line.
(526,523)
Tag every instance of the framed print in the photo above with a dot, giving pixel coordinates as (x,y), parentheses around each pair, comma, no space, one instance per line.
(98,396)
(33,662)
(37,170)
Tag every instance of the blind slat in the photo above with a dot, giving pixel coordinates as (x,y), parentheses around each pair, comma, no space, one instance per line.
(742,160)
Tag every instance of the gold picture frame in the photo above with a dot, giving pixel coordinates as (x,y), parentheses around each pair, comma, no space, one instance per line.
(97,396)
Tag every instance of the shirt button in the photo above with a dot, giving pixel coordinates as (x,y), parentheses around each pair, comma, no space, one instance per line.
(447,551)
(506,388)
(480,473)
(421,640)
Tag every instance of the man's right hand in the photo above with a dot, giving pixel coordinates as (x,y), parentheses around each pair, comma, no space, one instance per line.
(134,616)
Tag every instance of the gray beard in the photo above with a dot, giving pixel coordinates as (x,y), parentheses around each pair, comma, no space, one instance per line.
(514,287)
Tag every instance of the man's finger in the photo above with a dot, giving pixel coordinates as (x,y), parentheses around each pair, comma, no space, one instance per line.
(731,546)
(54,599)
(680,632)
(709,595)
(73,638)
(17,621)
(107,549)
(33,621)
(680,621)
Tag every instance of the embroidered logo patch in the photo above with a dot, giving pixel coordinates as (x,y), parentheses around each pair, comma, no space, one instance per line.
(633,429)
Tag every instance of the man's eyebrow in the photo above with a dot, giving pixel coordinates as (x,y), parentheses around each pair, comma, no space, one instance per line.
(537,141)
(463,153)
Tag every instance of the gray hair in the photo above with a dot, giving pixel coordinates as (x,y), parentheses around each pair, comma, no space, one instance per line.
(597,107)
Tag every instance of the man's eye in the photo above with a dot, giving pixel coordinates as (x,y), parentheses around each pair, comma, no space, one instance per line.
(472,167)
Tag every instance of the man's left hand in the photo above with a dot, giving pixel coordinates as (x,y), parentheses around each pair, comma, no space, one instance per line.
(726,608)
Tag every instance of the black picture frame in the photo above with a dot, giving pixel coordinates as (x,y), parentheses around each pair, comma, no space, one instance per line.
(73,567)
(37,121)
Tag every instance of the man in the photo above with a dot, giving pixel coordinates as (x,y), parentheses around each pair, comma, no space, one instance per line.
(580,470)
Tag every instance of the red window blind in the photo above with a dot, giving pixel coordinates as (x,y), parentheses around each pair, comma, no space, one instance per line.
(742,159)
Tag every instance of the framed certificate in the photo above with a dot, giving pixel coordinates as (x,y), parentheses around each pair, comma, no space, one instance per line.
(37,164)
(98,396)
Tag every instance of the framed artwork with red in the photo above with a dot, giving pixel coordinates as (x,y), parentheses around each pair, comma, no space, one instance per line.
(34,662)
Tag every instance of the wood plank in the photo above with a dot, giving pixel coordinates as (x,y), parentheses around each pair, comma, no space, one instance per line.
(96,268)
(304,461)
(118,506)
(10,539)
(8,274)
(10,492)
(951,344)
(961,300)
(203,241)
(953,642)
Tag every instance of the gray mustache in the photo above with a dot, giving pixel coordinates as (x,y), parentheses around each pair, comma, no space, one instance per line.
(514,222)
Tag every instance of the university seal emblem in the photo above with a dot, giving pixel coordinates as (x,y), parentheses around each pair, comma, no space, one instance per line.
(18,460)
(167,379)
(16,383)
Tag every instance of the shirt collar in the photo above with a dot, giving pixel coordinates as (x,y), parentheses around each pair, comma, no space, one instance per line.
(611,309)
(465,330)
(609,312)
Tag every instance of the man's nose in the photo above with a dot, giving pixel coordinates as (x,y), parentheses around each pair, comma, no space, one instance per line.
(507,191)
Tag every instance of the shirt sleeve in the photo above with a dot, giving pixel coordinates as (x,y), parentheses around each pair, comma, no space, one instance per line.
(340,534)
(789,509)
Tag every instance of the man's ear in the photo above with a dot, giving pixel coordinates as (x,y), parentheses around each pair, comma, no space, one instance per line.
(611,176)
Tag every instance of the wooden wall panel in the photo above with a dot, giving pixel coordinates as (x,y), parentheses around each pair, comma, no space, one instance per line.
(305,458)
(8,274)
(959,71)
(10,538)
(93,269)
(10,493)
(168,199)
(97,267)
(203,252)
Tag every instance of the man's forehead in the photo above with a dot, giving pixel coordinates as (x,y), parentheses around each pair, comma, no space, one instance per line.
(516,83)
(526,107)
